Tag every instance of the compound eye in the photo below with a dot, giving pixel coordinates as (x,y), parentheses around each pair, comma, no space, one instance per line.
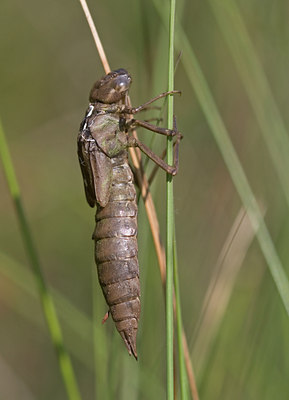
(121,83)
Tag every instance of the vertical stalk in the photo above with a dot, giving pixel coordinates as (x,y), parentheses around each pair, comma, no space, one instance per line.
(170,217)
(49,311)
(179,324)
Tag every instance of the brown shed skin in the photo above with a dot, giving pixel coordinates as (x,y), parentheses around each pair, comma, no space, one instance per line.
(108,182)
(116,252)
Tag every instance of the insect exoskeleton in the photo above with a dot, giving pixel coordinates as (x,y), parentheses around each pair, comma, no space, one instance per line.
(103,142)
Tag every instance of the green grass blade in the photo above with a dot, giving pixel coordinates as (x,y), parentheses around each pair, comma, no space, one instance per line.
(257,87)
(99,342)
(76,321)
(170,217)
(79,326)
(46,300)
(233,164)
(179,323)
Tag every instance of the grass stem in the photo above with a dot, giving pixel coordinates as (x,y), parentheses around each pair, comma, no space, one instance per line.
(170,218)
(49,311)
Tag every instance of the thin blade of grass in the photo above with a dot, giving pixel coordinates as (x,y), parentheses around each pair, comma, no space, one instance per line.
(218,294)
(170,216)
(179,323)
(76,321)
(257,87)
(99,342)
(78,324)
(49,311)
(233,164)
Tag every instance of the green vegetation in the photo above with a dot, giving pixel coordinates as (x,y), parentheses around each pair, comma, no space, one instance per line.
(233,285)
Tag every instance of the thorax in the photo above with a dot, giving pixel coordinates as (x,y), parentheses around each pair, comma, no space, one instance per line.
(104,128)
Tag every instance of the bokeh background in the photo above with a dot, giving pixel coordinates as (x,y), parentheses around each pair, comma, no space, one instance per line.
(236,324)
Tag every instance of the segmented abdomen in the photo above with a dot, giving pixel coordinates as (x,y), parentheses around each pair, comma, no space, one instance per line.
(116,251)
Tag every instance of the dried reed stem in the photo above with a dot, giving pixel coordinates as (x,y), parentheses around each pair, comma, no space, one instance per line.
(95,36)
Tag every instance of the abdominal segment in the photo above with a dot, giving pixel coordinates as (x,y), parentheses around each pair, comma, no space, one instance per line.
(116,254)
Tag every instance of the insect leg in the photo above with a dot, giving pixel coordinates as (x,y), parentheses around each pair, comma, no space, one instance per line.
(134,123)
(164,153)
(156,167)
(134,110)
(171,169)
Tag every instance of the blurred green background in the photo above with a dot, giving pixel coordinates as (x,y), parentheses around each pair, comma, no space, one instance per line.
(235,322)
